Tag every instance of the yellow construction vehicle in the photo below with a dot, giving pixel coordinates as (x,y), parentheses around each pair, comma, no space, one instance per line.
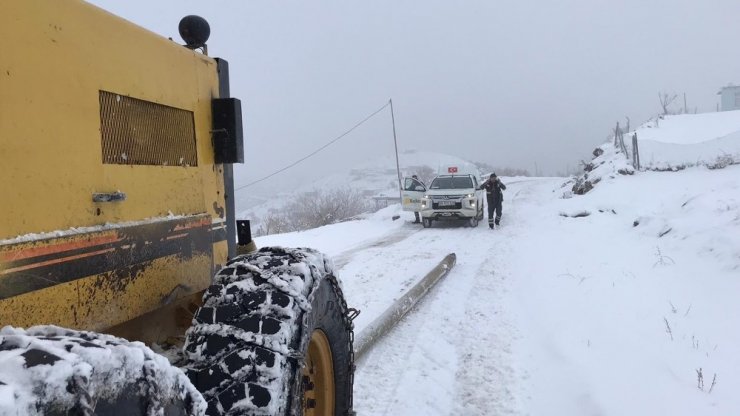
(117,217)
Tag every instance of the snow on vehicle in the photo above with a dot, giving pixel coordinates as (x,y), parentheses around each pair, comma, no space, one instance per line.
(452,196)
(116,148)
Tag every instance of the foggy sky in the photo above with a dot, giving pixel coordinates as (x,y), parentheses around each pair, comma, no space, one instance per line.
(507,83)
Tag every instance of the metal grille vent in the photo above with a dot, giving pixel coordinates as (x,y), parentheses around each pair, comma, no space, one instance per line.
(138,132)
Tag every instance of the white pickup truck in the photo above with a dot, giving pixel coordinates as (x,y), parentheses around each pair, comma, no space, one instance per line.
(450,196)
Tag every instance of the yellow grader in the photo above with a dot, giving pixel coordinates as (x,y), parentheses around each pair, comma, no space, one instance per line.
(118,236)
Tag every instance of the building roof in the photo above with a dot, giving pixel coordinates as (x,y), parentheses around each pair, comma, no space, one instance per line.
(733,87)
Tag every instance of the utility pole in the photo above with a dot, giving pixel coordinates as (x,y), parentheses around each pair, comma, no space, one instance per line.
(398,166)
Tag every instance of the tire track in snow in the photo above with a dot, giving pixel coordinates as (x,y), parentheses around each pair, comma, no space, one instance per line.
(430,350)
(345,257)
(381,371)
(486,377)
(484,333)
(484,374)
(420,353)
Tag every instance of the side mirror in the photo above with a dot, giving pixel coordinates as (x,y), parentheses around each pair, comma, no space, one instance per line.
(228,139)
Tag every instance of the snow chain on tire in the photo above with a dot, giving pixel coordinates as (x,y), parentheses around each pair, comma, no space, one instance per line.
(247,345)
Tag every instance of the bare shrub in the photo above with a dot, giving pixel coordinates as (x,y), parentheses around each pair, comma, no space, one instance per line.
(274,223)
(722,162)
(314,209)
(666,99)
(318,208)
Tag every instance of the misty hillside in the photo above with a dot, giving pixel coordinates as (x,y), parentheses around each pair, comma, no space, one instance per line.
(374,178)
(379,175)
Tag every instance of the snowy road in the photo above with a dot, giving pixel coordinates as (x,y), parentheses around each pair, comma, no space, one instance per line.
(450,356)
(433,346)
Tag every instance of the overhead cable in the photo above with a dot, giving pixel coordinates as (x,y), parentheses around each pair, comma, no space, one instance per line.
(315,151)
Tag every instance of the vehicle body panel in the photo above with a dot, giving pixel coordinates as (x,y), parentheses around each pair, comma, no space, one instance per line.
(412,193)
(89,101)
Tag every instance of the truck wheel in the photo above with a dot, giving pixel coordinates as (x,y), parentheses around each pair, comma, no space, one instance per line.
(473,221)
(426,222)
(273,337)
(56,371)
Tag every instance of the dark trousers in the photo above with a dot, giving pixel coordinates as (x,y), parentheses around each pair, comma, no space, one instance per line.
(494,206)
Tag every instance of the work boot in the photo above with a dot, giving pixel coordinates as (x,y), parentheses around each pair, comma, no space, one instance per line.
(490,226)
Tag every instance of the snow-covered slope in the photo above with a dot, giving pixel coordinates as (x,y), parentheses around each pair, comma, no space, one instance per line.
(635,298)
(690,128)
(668,143)
(609,303)
(609,162)
(678,141)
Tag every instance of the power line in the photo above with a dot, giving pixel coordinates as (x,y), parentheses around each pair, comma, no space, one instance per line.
(315,151)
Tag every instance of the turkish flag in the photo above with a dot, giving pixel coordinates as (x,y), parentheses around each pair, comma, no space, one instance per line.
(452,169)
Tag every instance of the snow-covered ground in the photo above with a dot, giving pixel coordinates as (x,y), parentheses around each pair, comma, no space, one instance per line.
(609,303)
(676,141)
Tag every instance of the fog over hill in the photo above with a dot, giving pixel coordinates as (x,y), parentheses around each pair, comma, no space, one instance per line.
(376,177)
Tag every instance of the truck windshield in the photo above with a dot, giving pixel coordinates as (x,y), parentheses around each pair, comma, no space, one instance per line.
(452,182)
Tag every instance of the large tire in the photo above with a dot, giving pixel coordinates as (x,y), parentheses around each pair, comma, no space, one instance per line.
(248,345)
(56,371)
(426,222)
